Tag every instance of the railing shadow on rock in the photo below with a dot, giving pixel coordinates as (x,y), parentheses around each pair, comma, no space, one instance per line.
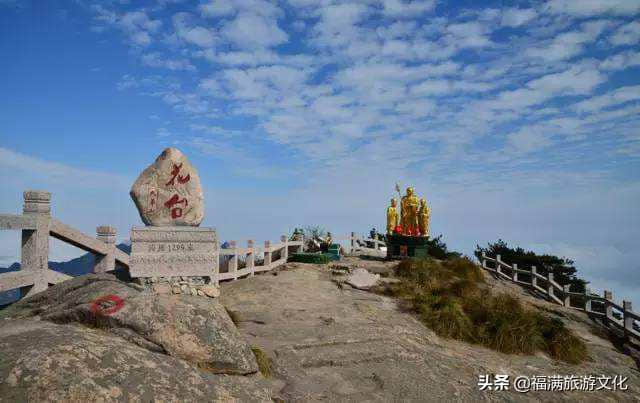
(613,315)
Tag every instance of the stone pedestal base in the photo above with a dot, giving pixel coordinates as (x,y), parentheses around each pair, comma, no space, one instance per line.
(174,252)
(403,246)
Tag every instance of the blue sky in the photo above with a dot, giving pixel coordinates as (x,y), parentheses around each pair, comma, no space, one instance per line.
(517,120)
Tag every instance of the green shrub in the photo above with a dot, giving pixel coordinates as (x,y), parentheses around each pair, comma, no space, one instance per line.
(449,298)
(317,258)
(438,249)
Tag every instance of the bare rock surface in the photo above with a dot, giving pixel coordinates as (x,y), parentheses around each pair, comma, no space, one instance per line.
(169,192)
(195,329)
(44,361)
(362,279)
(95,337)
(337,343)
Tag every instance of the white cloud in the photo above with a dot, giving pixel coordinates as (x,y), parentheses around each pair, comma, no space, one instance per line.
(141,38)
(616,97)
(576,80)
(627,34)
(163,132)
(621,61)
(527,140)
(585,8)
(254,31)
(136,24)
(55,173)
(218,8)
(401,8)
(448,87)
(138,21)
(227,8)
(338,24)
(573,81)
(470,34)
(155,60)
(569,44)
(189,33)
(515,17)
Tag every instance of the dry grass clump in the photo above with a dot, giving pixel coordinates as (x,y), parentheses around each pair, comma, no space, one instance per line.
(449,298)
(264,362)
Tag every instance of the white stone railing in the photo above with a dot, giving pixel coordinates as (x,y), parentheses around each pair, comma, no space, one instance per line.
(546,285)
(355,246)
(248,255)
(37,226)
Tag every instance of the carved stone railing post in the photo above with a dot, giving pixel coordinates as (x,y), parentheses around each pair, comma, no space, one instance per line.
(353,242)
(285,249)
(498,266)
(267,253)
(233,262)
(105,263)
(35,242)
(251,258)
(627,318)
(550,284)
(534,277)
(514,273)
(608,309)
(567,297)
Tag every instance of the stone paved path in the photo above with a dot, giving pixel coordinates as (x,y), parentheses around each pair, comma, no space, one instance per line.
(336,343)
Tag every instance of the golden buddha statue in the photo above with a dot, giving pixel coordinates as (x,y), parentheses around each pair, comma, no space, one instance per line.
(423,218)
(392,217)
(409,214)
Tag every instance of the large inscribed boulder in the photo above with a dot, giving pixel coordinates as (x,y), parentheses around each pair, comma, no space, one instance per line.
(168,192)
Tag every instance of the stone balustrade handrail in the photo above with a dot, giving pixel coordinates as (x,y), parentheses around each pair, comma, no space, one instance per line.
(234,254)
(37,226)
(563,296)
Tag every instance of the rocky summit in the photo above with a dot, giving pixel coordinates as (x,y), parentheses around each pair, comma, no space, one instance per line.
(168,192)
(317,338)
(98,338)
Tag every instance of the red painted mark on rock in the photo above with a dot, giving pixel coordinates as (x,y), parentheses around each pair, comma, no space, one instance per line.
(107,305)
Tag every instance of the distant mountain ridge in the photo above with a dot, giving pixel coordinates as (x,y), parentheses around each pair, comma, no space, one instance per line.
(74,267)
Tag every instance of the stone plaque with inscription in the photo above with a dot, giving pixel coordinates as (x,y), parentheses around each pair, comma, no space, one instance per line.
(173,251)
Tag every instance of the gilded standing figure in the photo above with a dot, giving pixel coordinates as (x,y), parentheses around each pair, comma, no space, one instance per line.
(409,213)
(423,218)
(392,217)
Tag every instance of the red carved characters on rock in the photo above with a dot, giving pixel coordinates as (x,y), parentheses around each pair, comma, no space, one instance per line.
(175,172)
(176,212)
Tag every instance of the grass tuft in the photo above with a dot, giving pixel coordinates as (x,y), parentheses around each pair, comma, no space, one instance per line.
(233,315)
(449,298)
(264,362)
